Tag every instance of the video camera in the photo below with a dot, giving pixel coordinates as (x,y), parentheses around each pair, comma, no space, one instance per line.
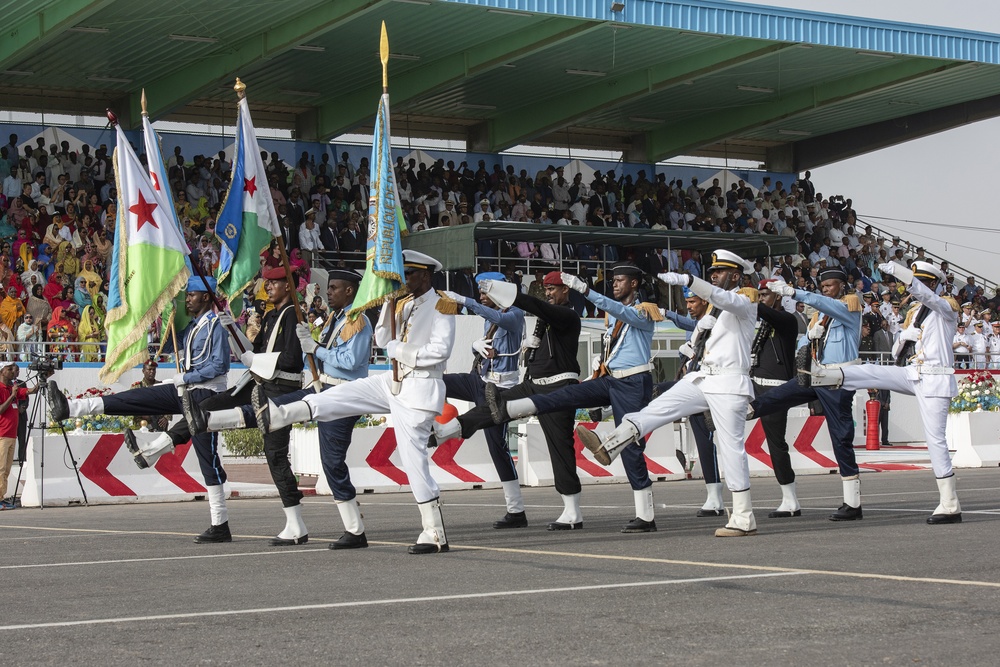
(45,364)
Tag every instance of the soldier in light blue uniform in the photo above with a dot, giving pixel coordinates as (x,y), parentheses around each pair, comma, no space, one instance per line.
(623,378)
(204,359)
(497,355)
(833,337)
(344,350)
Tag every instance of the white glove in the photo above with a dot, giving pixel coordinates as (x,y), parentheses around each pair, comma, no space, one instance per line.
(226,320)
(304,335)
(454,296)
(391,349)
(816,332)
(686,350)
(483,347)
(177,380)
(247,358)
(486,286)
(783,290)
(910,333)
(706,323)
(888,267)
(671,278)
(574,283)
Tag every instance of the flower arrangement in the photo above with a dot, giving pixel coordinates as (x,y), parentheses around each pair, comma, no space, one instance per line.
(977,392)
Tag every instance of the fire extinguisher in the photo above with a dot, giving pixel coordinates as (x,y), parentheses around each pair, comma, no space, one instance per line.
(872,409)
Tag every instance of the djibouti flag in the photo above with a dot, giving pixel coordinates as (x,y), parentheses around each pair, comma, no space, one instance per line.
(384,257)
(247,222)
(148,264)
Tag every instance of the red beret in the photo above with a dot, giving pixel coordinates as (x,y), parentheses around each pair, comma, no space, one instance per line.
(553,278)
(275,273)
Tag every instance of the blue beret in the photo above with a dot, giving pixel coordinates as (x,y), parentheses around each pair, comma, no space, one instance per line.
(688,293)
(490,275)
(196,284)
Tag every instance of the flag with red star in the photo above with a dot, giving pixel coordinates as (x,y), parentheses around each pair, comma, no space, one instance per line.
(248,221)
(148,264)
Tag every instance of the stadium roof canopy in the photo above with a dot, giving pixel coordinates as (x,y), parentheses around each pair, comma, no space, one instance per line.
(655,79)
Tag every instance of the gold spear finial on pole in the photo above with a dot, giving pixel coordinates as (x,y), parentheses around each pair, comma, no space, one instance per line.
(383,52)
(142,102)
(240,88)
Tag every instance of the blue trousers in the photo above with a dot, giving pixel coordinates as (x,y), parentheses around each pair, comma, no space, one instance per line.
(163,399)
(334,439)
(625,395)
(471,387)
(707,456)
(837,407)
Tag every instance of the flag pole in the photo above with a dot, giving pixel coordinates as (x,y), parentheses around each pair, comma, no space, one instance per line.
(383,54)
(241,91)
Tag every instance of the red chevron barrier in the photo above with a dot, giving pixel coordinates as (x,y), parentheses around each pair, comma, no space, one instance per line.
(107,471)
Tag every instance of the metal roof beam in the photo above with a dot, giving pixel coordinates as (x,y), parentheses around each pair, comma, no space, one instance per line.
(356,107)
(543,116)
(40,28)
(174,90)
(691,133)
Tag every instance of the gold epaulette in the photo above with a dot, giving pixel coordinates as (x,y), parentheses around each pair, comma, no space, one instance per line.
(952,302)
(447,306)
(853,303)
(352,328)
(650,310)
(909,316)
(751,293)
(402,302)
(815,319)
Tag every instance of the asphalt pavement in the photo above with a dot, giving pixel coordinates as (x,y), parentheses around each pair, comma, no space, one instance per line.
(125,584)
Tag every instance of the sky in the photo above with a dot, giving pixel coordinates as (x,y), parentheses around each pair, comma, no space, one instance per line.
(940,183)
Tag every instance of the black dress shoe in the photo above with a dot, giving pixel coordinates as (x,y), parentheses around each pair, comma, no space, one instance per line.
(215,534)
(596,415)
(638,525)
(423,548)
(350,541)
(701,514)
(557,525)
(781,514)
(498,406)
(285,542)
(58,405)
(512,520)
(196,418)
(937,519)
(847,513)
(886,444)
(261,408)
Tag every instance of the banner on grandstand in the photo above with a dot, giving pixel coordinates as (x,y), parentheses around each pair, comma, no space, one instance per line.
(247,222)
(147,266)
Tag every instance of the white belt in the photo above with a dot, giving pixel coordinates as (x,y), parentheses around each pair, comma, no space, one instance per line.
(935,370)
(555,378)
(766,382)
(332,381)
(852,362)
(635,370)
(720,370)
(423,374)
(284,375)
(496,377)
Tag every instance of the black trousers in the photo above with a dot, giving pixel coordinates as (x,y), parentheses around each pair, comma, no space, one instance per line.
(556,426)
(163,399)
(775,425)
(471,387)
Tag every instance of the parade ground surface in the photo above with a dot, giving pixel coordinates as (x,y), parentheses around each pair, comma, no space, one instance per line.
(125,585)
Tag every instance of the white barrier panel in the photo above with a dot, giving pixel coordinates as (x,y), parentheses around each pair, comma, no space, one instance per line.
(975,439)
(534,467)
(108,472)
(455,464)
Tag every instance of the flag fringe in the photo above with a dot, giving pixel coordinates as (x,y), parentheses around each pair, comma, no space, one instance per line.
(110,375)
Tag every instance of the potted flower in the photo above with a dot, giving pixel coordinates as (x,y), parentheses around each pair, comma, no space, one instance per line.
(974,422)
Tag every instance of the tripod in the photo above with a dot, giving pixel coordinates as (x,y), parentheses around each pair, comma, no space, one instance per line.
(39,415)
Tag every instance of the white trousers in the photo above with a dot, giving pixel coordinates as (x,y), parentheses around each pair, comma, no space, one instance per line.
(412,425)
(933,409)
(728,412)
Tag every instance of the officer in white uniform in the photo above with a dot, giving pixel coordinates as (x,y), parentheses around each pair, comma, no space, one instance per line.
(994,346)
(928,375)
(425,335)
(721,384)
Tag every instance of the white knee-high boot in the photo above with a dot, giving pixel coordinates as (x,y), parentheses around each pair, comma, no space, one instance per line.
(741,522)
(789,506)
(286,415)
(151,452)
(217,504)
(223,420)
(85,407)
(714,499)
(512,494)
(432,539)
(295,531)
(948,510)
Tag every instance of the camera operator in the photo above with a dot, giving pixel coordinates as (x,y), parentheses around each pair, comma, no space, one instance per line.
(9,417)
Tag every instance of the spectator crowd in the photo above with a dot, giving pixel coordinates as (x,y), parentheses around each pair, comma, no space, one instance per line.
(58,207)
